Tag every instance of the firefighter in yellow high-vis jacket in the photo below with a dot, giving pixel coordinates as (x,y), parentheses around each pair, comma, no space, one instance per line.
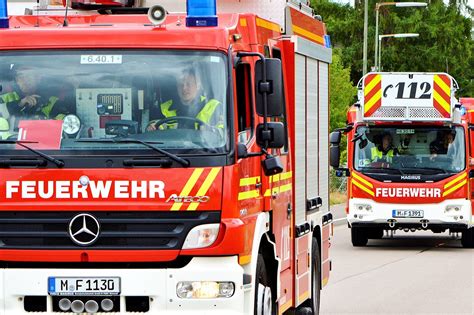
(192,103)
(27,97)
(384,151)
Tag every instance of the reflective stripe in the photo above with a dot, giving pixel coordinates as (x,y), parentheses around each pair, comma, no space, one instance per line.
(376,153)
(208,110)
(165,109)
(10,97)
(204,115)
(46,110)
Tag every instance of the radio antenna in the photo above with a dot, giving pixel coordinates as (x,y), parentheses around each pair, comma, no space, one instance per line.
(37,12)
(66,23)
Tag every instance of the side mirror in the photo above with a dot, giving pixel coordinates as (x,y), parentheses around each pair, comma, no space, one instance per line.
(273,137)
(273,87)
(242,151)
(334,155)
(335,137)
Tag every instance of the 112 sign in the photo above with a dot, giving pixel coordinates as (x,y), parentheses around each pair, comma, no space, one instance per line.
(414,90)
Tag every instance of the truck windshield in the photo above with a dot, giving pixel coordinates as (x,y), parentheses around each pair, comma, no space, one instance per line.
(409,150)
(175,99)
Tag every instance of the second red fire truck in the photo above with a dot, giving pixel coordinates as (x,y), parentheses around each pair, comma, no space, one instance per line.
(409,157)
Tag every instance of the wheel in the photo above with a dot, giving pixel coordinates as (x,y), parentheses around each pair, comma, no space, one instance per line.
(264,302)
(359,237)
(467,239)
(182,118)
(315,279)
(375,233)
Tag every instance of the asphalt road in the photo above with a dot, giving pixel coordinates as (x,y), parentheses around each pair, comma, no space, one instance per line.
(411,273)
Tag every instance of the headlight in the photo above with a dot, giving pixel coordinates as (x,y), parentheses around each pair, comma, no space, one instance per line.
(71,124)
(363,207)
(201,236)
(453,208)
(204,289)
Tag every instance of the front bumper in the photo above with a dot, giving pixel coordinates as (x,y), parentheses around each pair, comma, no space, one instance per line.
(157,284)
(435,215)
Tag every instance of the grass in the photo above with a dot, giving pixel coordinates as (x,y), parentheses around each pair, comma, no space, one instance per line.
(336,197)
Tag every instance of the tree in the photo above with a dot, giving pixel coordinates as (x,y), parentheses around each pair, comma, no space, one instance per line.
(342,95)
(445,43)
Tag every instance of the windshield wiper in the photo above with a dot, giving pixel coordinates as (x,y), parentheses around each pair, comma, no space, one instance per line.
(381,170)
(421,169)
(148,144)
(21,143)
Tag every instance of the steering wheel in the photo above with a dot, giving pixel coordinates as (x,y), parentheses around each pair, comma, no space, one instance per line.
(183,118)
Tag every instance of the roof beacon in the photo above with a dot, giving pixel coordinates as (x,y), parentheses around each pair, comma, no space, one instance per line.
(3,14)
(200,13)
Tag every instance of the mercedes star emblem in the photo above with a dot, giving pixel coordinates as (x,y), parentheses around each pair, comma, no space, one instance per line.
(84,229)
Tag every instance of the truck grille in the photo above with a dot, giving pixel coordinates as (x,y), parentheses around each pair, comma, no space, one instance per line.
(118,230)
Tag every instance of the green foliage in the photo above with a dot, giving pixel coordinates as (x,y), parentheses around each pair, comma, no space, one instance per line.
(445,43)
(342,96)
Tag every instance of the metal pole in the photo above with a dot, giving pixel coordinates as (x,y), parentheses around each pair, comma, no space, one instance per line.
(379,66)
(376,35)
(366,22)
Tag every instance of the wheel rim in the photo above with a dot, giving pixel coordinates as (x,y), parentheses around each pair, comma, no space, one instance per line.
(264,300)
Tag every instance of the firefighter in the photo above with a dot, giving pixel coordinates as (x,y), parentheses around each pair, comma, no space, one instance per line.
(442,144)
(29,98)
(192,103)
(385,150)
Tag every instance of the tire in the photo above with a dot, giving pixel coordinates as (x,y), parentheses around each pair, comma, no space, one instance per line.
(315,301)
(467,239)
(359,237)
(375,233)
(264,301)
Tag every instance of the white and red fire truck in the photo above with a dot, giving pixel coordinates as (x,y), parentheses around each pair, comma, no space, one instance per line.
(116,197)
(408,157)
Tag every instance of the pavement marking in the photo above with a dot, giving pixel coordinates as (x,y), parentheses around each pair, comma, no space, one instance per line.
(337,220)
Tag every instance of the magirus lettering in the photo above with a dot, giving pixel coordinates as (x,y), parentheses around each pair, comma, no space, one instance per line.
(410,177)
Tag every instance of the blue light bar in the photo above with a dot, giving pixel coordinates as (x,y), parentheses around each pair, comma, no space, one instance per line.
(200,13)
(3,14)
(327,41)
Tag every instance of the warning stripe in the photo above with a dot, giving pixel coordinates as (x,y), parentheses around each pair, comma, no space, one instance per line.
(441,84)
(440,108)
(360,179)
(373,108)
(454,181)
(372,94)
(356,183)
(301,31)
(442,94)
(441,105)
(188,187)
(371,83)
(268,25)
(205,186)
(247,181)
(249,194)
(461,184)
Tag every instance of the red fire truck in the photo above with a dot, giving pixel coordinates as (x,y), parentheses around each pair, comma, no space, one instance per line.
(169,163)
(408,157)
